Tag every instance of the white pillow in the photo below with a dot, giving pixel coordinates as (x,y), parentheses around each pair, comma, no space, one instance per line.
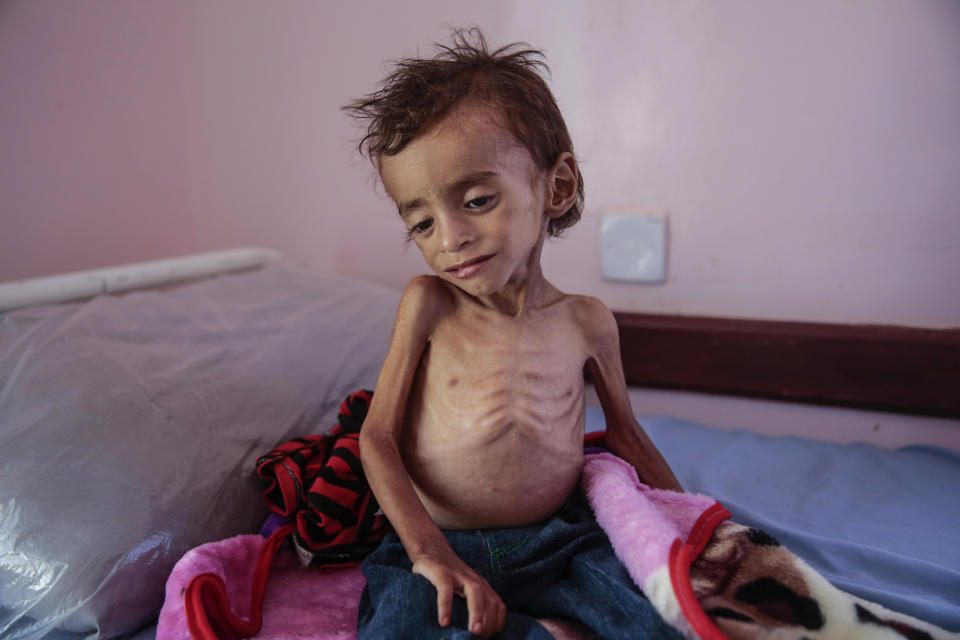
(130,427)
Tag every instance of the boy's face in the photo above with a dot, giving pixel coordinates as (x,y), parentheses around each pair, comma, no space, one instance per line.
(472,200)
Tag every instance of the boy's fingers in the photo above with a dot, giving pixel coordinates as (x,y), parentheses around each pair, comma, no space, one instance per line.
(486,611)
(474,610)
(480,622)
(498,617)
(444,603)
(444,586)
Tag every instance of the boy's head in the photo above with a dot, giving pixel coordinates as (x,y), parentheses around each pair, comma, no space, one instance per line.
(505,84)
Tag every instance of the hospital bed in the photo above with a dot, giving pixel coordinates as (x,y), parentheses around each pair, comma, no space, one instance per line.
(131,419)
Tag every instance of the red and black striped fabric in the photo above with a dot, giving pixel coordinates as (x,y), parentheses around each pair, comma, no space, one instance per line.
(319,482)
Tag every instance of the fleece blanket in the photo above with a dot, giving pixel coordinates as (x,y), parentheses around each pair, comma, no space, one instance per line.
(708,577)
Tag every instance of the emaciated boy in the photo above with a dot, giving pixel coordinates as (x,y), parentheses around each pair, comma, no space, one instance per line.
(473,445)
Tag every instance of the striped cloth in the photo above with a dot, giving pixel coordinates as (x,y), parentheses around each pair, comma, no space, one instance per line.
(318,483)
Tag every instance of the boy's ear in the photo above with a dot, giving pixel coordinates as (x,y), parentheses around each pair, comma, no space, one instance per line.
(563,178)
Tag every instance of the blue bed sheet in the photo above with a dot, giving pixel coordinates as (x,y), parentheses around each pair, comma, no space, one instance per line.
(881,524)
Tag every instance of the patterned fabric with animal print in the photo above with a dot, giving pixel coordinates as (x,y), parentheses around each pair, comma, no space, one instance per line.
(714,579)
(752,587)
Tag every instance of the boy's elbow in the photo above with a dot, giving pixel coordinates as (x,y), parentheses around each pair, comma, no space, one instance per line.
(367,448)
(366,441)
(373,440)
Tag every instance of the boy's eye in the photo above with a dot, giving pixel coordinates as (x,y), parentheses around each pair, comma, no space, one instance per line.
(421,227)
(479,202)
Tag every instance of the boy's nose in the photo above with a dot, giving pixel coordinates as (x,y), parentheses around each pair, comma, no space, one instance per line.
(455,236)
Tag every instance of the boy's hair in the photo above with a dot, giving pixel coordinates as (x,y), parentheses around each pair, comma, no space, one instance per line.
(419,92)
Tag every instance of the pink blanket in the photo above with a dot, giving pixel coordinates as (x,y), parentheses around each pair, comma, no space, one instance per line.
(707,577)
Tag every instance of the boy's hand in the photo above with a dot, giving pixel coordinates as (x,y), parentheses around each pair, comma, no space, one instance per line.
(450,575)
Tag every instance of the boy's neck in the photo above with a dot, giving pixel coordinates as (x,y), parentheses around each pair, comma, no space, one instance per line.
(526,291)
(518,298)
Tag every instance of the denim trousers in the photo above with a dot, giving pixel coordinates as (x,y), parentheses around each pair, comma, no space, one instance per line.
(563,567)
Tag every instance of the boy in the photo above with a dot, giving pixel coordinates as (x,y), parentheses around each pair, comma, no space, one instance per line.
(473,444)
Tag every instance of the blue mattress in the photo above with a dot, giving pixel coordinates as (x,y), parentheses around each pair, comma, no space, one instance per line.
(881,524)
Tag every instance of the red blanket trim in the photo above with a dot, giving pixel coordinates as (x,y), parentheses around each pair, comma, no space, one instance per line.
(594,439)
(207,606)
(682,556)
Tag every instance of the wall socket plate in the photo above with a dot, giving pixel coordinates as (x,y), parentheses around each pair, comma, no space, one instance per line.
(634,247)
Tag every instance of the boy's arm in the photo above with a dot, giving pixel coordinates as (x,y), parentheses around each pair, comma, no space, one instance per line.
(624,437)
(428,549)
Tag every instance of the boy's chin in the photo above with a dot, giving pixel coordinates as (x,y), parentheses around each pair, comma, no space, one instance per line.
(476,286)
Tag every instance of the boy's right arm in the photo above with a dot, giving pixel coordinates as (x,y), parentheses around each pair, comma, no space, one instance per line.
(429,551)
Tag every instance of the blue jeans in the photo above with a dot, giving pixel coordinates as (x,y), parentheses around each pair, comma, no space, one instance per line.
(563,567)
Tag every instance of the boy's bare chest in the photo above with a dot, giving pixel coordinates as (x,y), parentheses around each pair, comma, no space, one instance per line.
(490,360)
(479,379)
(496,411)
(493,358)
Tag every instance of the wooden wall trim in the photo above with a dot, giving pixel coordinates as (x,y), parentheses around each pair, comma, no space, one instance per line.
(901,369)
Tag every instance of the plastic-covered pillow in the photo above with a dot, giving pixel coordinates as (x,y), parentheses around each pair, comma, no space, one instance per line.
(130,426)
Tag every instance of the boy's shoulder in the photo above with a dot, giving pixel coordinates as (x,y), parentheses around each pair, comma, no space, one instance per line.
(425,286)
(591,317)
(426,297)
(589,311)
(596,323)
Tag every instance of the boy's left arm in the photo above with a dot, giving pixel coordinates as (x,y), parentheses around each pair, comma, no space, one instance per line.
(625,437)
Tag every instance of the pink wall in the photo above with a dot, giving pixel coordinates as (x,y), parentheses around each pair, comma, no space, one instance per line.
(806,154)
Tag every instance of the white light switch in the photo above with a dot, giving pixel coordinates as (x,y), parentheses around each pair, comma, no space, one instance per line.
(634,247)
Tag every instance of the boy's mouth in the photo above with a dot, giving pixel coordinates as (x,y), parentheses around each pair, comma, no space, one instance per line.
(468,268)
